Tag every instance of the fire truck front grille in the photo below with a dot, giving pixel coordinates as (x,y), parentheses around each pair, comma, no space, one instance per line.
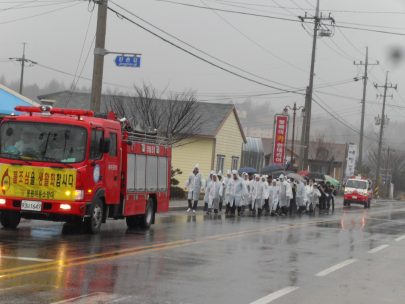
(16,204)
(47,206)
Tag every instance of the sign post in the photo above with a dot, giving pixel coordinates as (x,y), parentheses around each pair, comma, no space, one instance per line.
(280,139)
(351,159)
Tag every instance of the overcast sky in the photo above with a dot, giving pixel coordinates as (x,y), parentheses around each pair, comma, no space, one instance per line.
(277,52)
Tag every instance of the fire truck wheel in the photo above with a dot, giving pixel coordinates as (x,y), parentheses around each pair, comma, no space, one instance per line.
(132,221)
(368,203)
(93,223)
(344,203)
(147,218)
(10,219)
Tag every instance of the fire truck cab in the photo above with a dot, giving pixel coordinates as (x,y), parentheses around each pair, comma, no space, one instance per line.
(358,190)
(71,166)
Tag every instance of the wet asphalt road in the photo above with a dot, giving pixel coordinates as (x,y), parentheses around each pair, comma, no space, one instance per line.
(187,258)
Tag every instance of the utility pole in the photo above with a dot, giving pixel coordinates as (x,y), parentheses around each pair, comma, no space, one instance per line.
(306,124)
(285,112)
(386,169)
(23,61)
(363,106)
(99,52)
(383,118)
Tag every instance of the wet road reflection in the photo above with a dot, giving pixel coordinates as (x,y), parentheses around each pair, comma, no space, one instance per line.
(185,258)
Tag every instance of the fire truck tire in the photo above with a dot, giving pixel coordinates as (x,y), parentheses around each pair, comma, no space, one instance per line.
(368,203)
(147,218)
(10,219)
(132,221)
(94,221)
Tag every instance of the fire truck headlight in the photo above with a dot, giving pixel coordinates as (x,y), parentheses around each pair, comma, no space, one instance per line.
(2,201)
(79,194)
(65,207)
(365,192)
(345,190)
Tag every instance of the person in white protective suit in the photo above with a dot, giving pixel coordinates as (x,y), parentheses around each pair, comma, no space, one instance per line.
(283,196)
(257,195)
(221,197)
(308,190)
(237,192)
(207,181)
(314,199)
(273,197)
(225,183)
(251,189)
(214,192)
(300,196)
(267,205)
(265,196)
(194,185)
(249,196)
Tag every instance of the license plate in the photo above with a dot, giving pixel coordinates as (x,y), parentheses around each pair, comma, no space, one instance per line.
(354,197)
(31,205)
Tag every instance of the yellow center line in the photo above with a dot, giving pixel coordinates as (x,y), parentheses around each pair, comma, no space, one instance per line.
(6,276)
(90,256)
(156,247)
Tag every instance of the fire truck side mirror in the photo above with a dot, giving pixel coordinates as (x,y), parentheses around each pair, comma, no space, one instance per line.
(105,145)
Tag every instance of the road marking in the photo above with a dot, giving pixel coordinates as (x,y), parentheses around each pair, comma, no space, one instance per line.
(58,267)
(120,299)
(333,268)
(26,258)
(400,238)
(377,248)
(275,295)
(95,297)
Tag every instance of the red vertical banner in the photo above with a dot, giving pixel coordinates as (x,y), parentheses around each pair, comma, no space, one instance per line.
(280,139)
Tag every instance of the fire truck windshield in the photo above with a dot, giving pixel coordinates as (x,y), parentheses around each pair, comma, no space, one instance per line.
(46,142)
(358,184)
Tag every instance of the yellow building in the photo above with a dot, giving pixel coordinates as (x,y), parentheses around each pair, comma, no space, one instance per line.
(217,146)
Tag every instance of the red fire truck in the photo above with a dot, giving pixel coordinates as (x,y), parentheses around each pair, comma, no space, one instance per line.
(358,190)
(72,166)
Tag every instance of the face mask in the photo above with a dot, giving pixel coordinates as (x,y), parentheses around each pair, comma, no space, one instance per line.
(235,178)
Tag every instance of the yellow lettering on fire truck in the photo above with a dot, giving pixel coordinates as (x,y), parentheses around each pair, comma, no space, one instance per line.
(38,183)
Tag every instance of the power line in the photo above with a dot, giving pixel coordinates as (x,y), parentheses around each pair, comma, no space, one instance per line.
(279,18)
(205,60)
(73,86)
(9,8)
(59,9)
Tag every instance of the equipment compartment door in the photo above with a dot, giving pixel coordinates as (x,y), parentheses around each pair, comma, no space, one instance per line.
(112,179)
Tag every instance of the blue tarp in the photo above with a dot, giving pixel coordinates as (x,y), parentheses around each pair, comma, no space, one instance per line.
(9,101)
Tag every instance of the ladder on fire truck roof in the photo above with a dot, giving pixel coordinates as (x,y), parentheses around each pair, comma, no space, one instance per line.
(144,137)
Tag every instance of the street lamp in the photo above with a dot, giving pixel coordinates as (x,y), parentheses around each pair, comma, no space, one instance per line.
(285,112)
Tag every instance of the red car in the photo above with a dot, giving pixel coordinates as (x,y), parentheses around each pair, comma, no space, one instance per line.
(358,190)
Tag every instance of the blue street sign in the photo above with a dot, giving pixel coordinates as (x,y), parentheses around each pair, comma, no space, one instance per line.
(385,178)
(128,61)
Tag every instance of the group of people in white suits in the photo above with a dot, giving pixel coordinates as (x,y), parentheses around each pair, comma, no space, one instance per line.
(262,194)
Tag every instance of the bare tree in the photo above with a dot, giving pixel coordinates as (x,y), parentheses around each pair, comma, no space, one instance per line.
(322,150)
(396,166)
(176,115)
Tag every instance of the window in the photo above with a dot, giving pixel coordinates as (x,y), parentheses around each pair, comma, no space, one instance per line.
(95,142)
(113,144)
(220,163)
(235,163)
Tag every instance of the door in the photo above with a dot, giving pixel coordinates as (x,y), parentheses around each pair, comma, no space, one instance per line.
(112,179)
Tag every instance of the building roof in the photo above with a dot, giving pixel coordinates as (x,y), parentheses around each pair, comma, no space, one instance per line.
(212,114)
(338,150)
(9,99)
(51,94)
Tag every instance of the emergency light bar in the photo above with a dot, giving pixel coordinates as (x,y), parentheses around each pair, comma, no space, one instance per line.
(51,110)
(358,177)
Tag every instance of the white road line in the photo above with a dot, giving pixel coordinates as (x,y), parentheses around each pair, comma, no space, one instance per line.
(25,258)
(377,248)
(333,268)
(275,295)
(79,298)
(400,238)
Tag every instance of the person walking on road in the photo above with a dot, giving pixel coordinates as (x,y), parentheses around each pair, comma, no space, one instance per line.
(214,191)
(314,199)
(225,183)
(267,204)
(273,198)
(248,199)
(333,196)
(283,197)
(195,185)
(206,199)
(328,193)
(222,194)
(293,206)
(300,196)
(256,194)
(238,192)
